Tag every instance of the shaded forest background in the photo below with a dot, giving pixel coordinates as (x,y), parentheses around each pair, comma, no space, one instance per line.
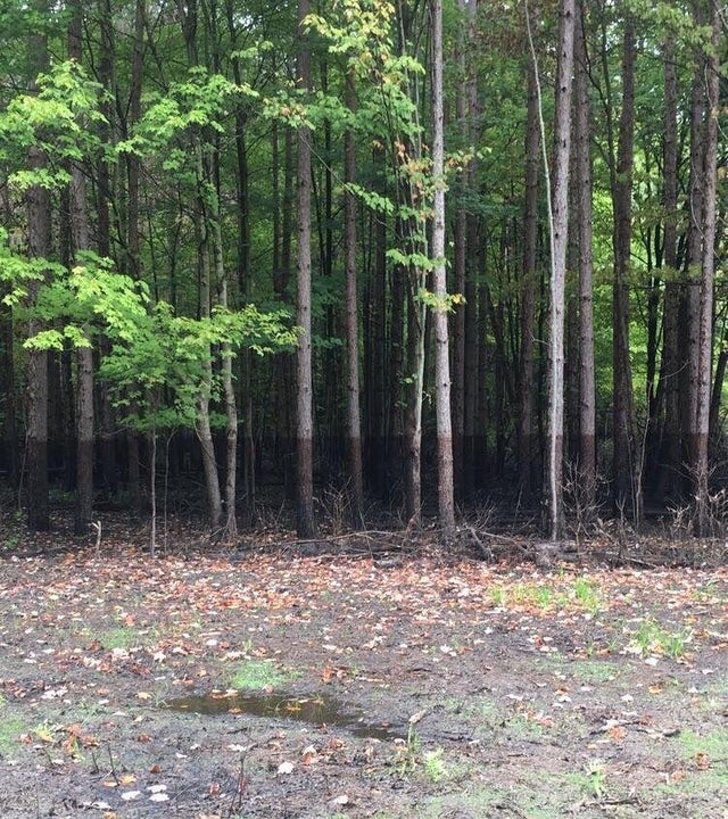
(410,254)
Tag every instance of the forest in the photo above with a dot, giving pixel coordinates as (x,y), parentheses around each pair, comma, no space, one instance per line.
(414,255)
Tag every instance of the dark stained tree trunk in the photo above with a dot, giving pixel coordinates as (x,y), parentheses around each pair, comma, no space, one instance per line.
(690,346)
(284,369)
(38,205)
(375,351)
(583,226)
(354,450)
(474,373)
(416,318)
(304,408)
(625,493)
(529,283)
(108,478)
(81,241)
(244,277)
(9,433)
(670,458)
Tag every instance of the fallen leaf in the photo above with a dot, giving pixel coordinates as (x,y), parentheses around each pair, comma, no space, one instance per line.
(156,788)
(702,761)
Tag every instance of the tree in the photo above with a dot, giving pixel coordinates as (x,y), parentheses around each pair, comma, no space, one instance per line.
(626,493)
(38,204)
(81,241)
(583,226)
(446,498)
(305,523)
(352,315)
(708,234)
(559,237)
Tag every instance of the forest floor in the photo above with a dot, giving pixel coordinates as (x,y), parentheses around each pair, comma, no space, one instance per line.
(267,683)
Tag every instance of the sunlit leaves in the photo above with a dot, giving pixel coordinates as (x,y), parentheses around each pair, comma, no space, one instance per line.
(58,120)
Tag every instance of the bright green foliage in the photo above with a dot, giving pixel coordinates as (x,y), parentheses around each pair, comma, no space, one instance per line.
(59,120)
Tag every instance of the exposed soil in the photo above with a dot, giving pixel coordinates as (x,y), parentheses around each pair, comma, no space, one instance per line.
(392,685)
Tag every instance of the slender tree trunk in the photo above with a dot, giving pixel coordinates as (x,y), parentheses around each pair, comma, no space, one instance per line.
(9,437)
(107,422)
(691,364)
(304,409)
(705,347)
(352,319)
(671,456)
(378,362)
(284,374)
(202,426)
(230,532)
(81,240)
(38,206)
(416,317)
(626,493)
(559,242)
(460,241)
(584,228)
(446,498)
(529,283)
(243,271)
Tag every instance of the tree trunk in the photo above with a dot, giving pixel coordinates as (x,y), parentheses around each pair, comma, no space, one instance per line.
(81,240)
(38,206)
(529,283)
(304,408)
(584,229)
(669,483)
(705,335)
(284,371)
(244,278)
(230,531)
(354,453)
(416,317)
(626,493)
(446,499)
(107,421)
(559,242)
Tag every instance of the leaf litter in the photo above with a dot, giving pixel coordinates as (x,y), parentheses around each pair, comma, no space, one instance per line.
(504,679)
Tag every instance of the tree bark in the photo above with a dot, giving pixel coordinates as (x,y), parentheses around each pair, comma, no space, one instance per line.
(626,493)
(584,229)
(559,242)
(446,498)
(705,334)
(354,451)
(670,457)
(38,207)
(304,408)
(80,241)
(526,370)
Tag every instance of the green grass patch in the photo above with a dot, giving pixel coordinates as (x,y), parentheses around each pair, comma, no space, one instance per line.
(588,595)
(592,671)
(259,675)
(651,638)
(713,746)
(11,730)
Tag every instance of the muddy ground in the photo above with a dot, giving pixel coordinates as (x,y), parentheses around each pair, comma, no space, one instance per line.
(264,683)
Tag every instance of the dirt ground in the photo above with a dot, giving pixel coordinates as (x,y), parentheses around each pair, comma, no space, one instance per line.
(265,683)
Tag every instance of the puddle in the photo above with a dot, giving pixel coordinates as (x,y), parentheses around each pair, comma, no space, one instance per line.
(318,710)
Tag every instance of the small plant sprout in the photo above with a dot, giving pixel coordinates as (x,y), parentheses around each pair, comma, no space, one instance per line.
(434,764)
(597,777)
